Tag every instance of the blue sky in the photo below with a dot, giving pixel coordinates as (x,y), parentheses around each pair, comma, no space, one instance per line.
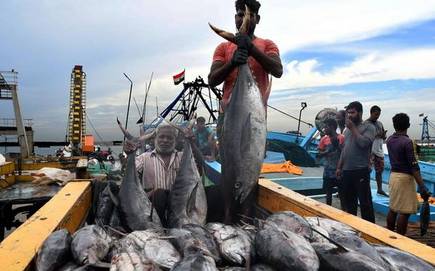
(333,52)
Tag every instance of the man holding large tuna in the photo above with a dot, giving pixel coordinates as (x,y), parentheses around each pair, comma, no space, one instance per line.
(243,64)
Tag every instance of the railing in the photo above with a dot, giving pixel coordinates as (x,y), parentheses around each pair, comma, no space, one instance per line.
(8,79)
(7,122)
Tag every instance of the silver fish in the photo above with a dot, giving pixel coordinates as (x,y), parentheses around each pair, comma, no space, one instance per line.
(356,243)
(330,225)
(424,216)
(197,262)
(402,261)
(244,132)
(135,209)
(290,221)
(54,252)
(154,246)
(90,245)
(193,237)
(187,199)
(319,235)
(333,258)
(285,250)
(235,244)
(130,259)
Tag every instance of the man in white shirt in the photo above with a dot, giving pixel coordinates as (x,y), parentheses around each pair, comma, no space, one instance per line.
(158,168)
(377,154)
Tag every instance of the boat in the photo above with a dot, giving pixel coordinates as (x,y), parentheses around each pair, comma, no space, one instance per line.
(69,207)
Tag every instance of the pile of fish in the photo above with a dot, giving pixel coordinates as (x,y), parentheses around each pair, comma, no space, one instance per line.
(284,241)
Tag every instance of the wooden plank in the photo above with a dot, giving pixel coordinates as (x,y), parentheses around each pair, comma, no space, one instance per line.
(274,197)
(39,165)
(67,209)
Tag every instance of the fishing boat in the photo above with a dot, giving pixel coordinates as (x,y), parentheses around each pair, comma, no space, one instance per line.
(69,207)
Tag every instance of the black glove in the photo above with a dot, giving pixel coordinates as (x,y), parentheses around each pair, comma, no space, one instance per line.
(424,192)
(240,57)
(243,41)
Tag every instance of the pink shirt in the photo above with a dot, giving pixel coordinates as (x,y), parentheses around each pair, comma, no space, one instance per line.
(155,173)
(224,53)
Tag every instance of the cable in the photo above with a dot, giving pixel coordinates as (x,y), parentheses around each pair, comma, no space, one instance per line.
(95,130)
(288,115)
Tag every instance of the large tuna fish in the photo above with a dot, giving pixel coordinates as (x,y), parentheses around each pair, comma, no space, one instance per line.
(285,250)
(235,244)
(154,246)
(90,245)
(290,221)
(330,225)
(187,199)
(194,237)
(337,259)
(135,209)
(356,243)
(54,252)
(244,135)
(129,258)
(402,261)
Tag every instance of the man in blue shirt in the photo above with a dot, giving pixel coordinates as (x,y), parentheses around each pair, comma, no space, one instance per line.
(204,139)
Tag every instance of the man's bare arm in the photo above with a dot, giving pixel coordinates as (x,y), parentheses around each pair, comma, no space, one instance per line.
(219,72)
(270,63)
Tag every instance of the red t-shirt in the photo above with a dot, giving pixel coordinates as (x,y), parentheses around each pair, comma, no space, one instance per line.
(224,52)
(326,140)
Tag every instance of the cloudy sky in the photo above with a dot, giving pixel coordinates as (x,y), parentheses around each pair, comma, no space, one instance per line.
(333,52)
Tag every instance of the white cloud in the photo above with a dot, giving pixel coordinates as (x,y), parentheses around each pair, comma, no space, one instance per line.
(413,102)
(374,67)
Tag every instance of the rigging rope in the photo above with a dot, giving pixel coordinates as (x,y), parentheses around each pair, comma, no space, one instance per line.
(288,115)
(95,130)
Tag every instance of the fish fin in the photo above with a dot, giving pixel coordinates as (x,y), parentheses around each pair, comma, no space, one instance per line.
(192,200)
(124,131)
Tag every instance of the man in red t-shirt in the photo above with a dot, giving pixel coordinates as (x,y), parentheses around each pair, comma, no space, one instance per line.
(262,56)
(330,147)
